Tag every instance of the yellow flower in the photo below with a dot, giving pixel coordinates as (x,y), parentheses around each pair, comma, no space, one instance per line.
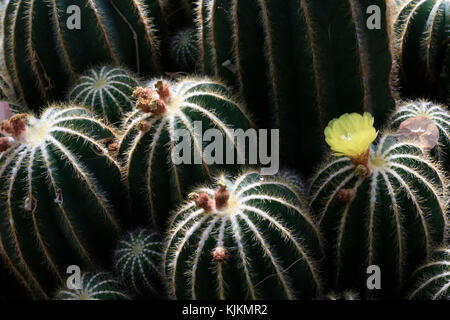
(351,134)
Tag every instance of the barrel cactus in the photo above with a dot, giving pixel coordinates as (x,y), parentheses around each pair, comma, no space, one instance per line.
(47,43)
(382,205)
(184,49)
(106,91)
(433,278)
(248,238)
(165,113)
(137,262)
(98,286)
(300,63)
(47,165)
(422,48)
(437,114)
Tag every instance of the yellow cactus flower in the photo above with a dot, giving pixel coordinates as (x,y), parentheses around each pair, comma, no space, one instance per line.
(351,135)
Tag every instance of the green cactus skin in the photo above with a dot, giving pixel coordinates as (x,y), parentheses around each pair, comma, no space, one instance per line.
(320,62)
(345,295)
(138,262)
(99,286)
(392,219)
(106,91)
(268,241)
(433,278)
(60,191)
(184,49)
(156,184)
(43,55)
(422,48)
(437,113)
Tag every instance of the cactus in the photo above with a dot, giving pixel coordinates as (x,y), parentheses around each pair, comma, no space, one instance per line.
(300,63)
(99,286)
(422,48)
(438,114)
(60,191)
(106,91)
(388,209)
(184,49)
(44,51)
(252,237)
(137,262)
(154,181)
(433,278)
(345,295)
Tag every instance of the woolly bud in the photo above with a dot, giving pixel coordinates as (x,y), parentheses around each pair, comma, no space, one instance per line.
(143,126)
(15,126)
(163,90)
(202,201)
(220,254)
(222,196)
(345,195)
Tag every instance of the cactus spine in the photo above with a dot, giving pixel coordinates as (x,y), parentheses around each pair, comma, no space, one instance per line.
(390,217)
(46,166)
(345,295)
(434,278)
(251,237)
(151,131)
(422,48)
(42,53)
(137,261)
(438,114)
(321,61)
(184,49)
(106,91)
(99,286)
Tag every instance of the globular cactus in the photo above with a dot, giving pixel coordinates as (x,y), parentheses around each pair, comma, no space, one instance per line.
(422,48)
(345,295)
(45,47)
(60,195)
(248,238)
(138,262)
(184,49)
(433,278)
(98,286)
(299,64)
(106,91)
(382,205)
(165,113)
(427,113)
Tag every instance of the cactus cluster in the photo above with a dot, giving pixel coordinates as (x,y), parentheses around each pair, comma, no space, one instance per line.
(149,136)
(44,48)
(135,137)
(320,62)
